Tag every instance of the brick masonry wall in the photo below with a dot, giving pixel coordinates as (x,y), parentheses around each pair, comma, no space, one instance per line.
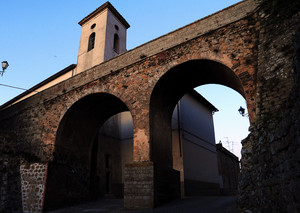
(36,120)
(139,186)
(140,191)
(33,182)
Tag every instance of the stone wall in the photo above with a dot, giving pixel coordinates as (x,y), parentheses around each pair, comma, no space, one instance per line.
(33,182)
(10,183)
(270,181)
(21,187)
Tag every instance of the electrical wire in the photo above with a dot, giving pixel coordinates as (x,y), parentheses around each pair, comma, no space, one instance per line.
(5,85)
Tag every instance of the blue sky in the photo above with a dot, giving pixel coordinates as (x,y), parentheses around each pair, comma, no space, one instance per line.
(41,37)
(229,124)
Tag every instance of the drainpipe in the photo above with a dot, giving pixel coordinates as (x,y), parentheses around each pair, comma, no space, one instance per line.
(182,191)
(179,128)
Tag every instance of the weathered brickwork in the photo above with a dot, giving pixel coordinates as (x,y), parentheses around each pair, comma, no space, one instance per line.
(57,125)
(139,186)
(139,189)
(33,181)
(233,46)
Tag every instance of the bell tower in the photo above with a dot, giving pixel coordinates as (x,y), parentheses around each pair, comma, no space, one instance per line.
(103,36)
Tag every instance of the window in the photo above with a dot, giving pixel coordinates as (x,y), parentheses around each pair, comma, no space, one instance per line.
(93,26)
(116,43)
(91,41)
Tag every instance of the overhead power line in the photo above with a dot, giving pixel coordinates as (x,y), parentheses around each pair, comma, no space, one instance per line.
(5,85)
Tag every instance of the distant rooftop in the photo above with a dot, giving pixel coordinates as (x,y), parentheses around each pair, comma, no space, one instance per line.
(200,98)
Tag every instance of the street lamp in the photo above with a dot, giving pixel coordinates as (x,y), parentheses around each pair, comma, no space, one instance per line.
(4,67)
(242,112)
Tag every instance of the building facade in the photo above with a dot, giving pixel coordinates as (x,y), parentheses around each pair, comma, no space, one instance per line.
(194,149)
(228,168)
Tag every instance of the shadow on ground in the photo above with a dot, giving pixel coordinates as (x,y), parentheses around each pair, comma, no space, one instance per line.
(220,204)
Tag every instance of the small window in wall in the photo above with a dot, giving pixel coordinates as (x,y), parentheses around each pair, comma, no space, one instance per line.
(91,41)
(116,43)
(93,26)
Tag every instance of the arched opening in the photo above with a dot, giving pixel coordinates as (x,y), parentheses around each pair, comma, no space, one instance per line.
(179,82)
(91,41)
(116,43)
(91,149)
(231,127)
(112,149)
(228,102)
(193,145)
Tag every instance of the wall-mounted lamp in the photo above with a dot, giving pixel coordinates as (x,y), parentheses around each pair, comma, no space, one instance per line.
(4,67)
(242,112)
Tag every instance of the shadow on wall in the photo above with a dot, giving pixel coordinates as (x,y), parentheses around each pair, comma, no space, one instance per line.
(69,175)
(11,153)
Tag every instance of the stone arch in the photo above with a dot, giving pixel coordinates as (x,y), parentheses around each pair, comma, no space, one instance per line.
(69,173)
(168,90)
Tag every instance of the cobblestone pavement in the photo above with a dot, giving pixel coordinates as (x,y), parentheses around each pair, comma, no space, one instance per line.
(213,204)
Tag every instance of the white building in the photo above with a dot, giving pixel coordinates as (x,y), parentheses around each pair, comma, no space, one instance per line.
(194,149)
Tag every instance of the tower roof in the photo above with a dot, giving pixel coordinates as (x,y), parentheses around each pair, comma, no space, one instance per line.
(100,9)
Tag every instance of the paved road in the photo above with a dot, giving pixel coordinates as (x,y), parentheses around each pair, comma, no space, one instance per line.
(220,204)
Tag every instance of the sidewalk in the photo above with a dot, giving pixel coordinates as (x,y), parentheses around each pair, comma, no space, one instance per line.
(214,204)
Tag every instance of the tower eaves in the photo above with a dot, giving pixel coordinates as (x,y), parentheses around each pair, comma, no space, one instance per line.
(101,8)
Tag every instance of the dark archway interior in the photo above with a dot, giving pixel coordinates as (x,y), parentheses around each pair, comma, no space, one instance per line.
(170,88)
(69,175)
